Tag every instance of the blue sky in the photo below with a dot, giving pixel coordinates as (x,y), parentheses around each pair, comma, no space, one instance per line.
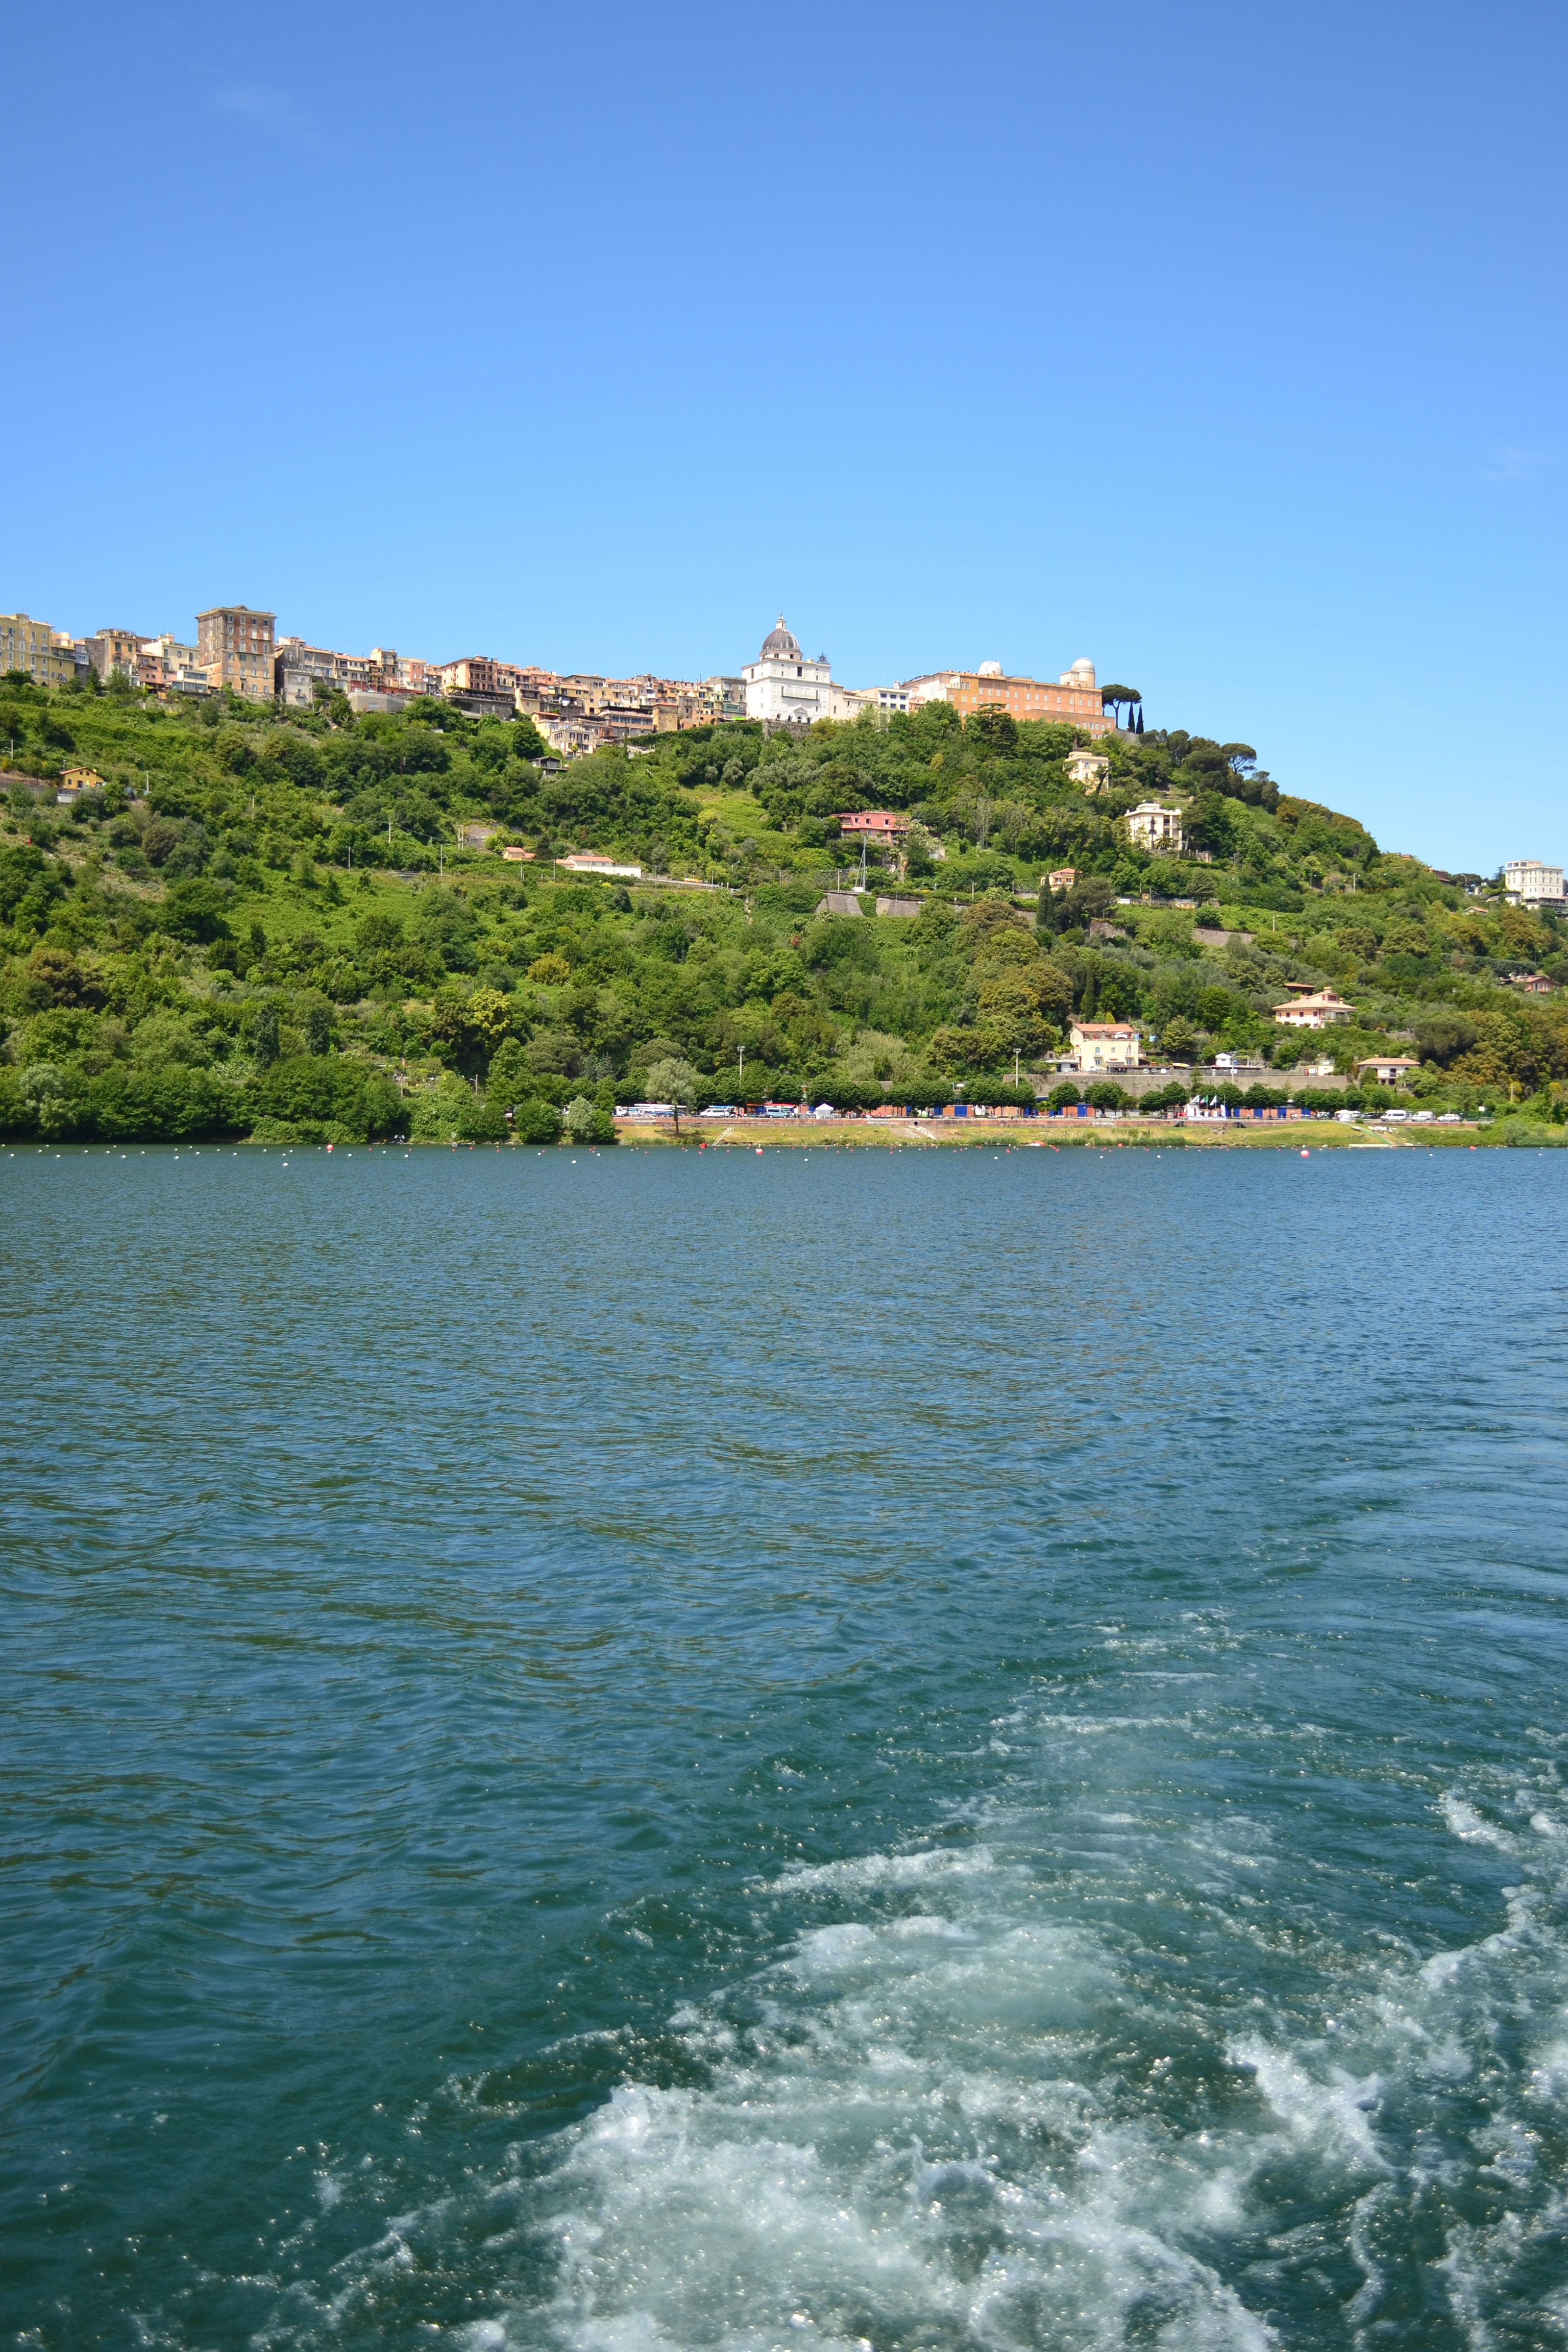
(1225,345)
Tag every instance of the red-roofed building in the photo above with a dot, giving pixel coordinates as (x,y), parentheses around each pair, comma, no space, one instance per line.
(874,825)
(1314,1009)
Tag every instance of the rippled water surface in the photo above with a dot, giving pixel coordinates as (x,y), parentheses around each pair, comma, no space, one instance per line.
(644,1752)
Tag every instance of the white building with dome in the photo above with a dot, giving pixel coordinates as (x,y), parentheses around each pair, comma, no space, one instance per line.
(781,684)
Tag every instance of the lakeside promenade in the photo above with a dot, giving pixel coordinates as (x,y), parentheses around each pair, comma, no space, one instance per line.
(1044,1134)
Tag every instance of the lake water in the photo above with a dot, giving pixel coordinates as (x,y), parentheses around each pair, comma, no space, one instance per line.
(642,1751)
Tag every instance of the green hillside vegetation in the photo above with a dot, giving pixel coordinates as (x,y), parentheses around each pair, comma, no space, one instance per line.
(267,926)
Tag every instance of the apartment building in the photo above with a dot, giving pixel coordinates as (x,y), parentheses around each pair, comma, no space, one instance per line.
(296,670)
(32,645)
(1073,701)
(483,687)
(236,647)
(1529,883)
(166,666)
(539,689)
(393,678)
(109,650)
(405,670)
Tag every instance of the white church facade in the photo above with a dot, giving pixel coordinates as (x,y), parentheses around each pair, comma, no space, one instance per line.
(781,684)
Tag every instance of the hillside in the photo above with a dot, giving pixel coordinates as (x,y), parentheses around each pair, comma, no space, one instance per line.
(270,927)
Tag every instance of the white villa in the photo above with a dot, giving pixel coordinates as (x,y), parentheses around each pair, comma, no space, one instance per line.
(1156,829)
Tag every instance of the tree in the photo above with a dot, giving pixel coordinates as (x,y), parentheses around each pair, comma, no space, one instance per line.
(471,1027)
(317,1026)
(264,1034)
(1116,698)
(537,1121)
(1010,1004)
(1118,993)
(994,727)
(1065,1095)
(1442,1036)
(1106,1095)
(588,1122)
(510,1076)
(1090,899)
(674,1081)
(488,1018)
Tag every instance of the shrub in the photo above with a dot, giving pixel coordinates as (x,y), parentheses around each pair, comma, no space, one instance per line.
(537,1121)
(482,1122)
(330,1090)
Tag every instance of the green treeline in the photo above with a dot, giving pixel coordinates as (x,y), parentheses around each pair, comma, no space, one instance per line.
(267,926)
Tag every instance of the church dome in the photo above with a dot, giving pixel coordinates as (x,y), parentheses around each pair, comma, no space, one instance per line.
(779,645)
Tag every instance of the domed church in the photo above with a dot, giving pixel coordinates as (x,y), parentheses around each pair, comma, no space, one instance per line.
(782,684)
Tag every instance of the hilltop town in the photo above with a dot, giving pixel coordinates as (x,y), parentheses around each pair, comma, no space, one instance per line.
(250,886)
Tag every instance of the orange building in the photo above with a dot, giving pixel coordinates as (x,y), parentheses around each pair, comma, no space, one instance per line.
(1073,701)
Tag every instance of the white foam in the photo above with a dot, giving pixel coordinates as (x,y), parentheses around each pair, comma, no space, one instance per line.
(950,2113)
(875,1871)
(1326,2110)
(1467,1823)
(904,2139)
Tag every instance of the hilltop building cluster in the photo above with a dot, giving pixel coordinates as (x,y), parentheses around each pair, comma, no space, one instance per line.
(237,648)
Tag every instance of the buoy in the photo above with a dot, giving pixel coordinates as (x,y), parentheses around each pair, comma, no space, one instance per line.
(759,1151)
(329,1147)
(1305,1153)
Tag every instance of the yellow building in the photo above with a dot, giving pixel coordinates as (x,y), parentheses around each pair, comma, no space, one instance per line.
(32,645)
(235,648)
(1104,1044)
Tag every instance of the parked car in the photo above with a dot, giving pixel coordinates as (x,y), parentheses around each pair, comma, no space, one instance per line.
(1447,1118)
(1392,1116)
(1419,1117)
(1347,1118)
